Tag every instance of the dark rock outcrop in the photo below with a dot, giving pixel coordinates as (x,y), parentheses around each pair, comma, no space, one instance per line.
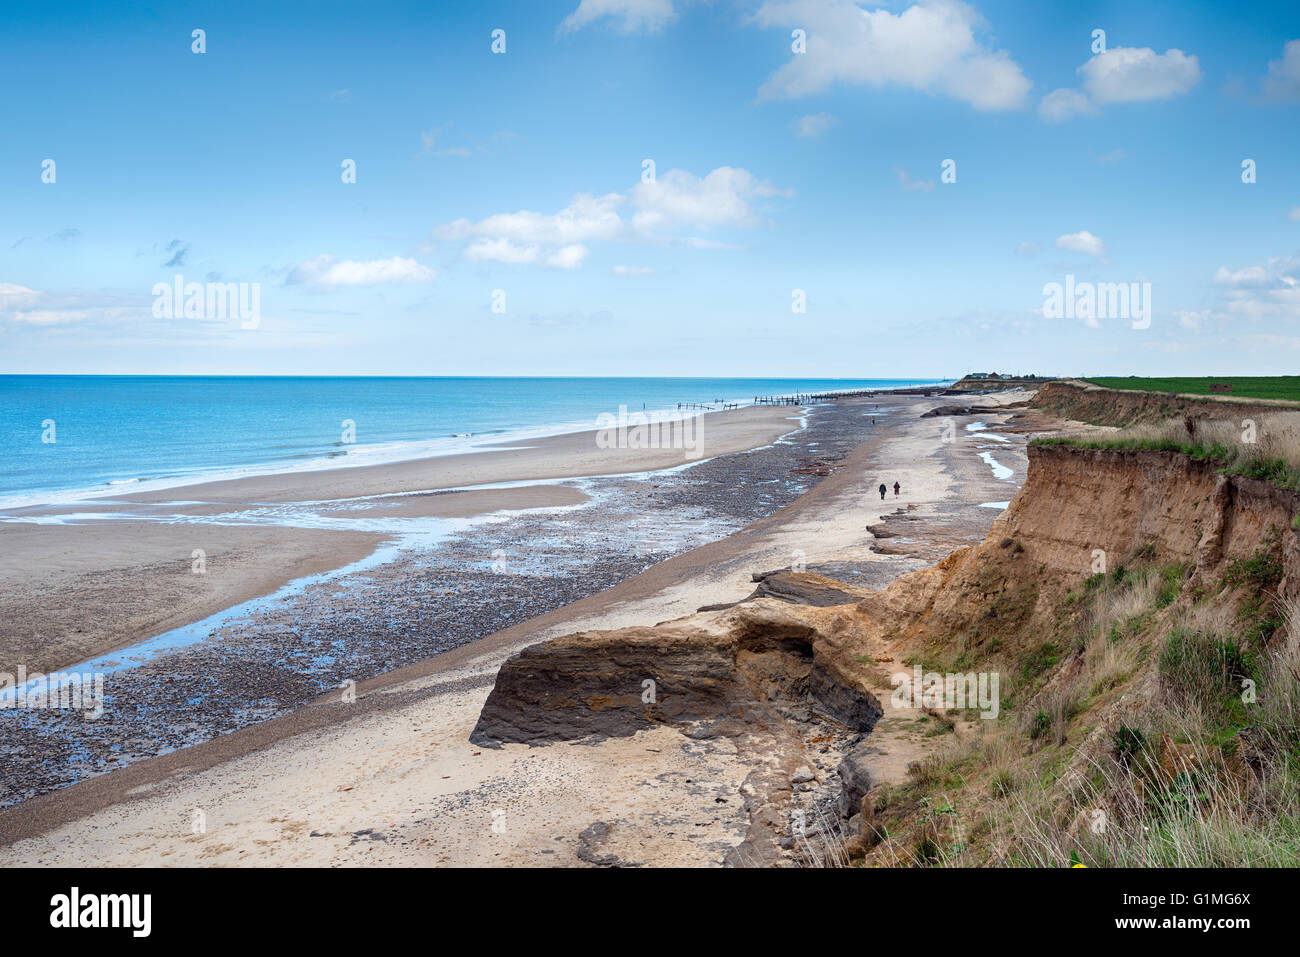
(591,843)
(720,673)
(797,588)
(838,698)
(963,410)
(855,781)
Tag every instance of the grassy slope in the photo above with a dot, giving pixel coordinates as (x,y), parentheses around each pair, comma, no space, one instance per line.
(1173,783)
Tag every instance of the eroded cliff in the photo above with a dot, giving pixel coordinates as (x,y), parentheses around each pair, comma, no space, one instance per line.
(1104,561)
(1084,402)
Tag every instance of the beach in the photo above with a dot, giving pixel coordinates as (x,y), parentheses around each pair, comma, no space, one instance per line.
(292,598)
(391,776)
(131,558)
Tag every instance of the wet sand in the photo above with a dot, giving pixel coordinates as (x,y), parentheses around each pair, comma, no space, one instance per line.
(71,592)
(553,457)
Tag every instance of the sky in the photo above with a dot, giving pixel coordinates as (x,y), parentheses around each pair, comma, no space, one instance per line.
(649,187)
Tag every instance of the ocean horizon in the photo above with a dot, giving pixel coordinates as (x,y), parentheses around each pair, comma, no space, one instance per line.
(77,436)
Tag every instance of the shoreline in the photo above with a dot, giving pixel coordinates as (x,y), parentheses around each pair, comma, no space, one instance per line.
(130,806)
(391,581)
(135,560)
(412,451)
(559,455)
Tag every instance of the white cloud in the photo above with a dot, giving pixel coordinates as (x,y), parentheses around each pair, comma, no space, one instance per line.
(1250,276)
(1061,105)
(813,125)
(632,270)
(1276,303)
(13,295)
(1283,79)
(50,317)
(696,242)
(1294,215)
(649,211)
(1275,342)
(1132,75)
(429,144)
(631,16)
(568,257)
(325,270)
(1027,249)
(500,250)
(721,198)
(1081,242)
(930,46)
(588,217)
(1123,75)
(21,305)
(1270,290)
(913,185)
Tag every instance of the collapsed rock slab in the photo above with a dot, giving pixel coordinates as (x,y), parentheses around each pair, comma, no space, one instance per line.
(797,588)
(962,410)
(718,673)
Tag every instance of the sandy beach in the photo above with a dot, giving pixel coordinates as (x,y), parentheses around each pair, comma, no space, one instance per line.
(552,457)
(392,778)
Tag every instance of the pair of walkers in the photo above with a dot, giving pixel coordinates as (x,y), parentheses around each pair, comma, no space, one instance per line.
(897,488)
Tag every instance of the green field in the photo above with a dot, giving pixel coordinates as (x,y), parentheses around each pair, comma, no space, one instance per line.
(1250,387)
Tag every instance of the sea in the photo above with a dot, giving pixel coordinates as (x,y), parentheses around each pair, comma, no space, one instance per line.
(67,438)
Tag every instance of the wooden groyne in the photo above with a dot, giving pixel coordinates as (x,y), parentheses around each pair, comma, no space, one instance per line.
(811,398)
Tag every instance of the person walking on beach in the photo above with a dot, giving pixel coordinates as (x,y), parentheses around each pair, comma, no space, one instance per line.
(896,488)
(882,491)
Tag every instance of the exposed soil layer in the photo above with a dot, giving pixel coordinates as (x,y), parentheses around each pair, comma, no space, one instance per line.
(1085,402)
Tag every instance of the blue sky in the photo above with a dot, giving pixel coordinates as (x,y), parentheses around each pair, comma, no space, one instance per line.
(774,171)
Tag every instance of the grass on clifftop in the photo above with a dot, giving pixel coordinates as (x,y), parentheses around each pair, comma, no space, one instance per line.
(1267,448)
(1249,387)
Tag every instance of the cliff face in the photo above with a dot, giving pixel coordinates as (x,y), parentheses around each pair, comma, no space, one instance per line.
(1123,501)
(1083,402)
(1079,512)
